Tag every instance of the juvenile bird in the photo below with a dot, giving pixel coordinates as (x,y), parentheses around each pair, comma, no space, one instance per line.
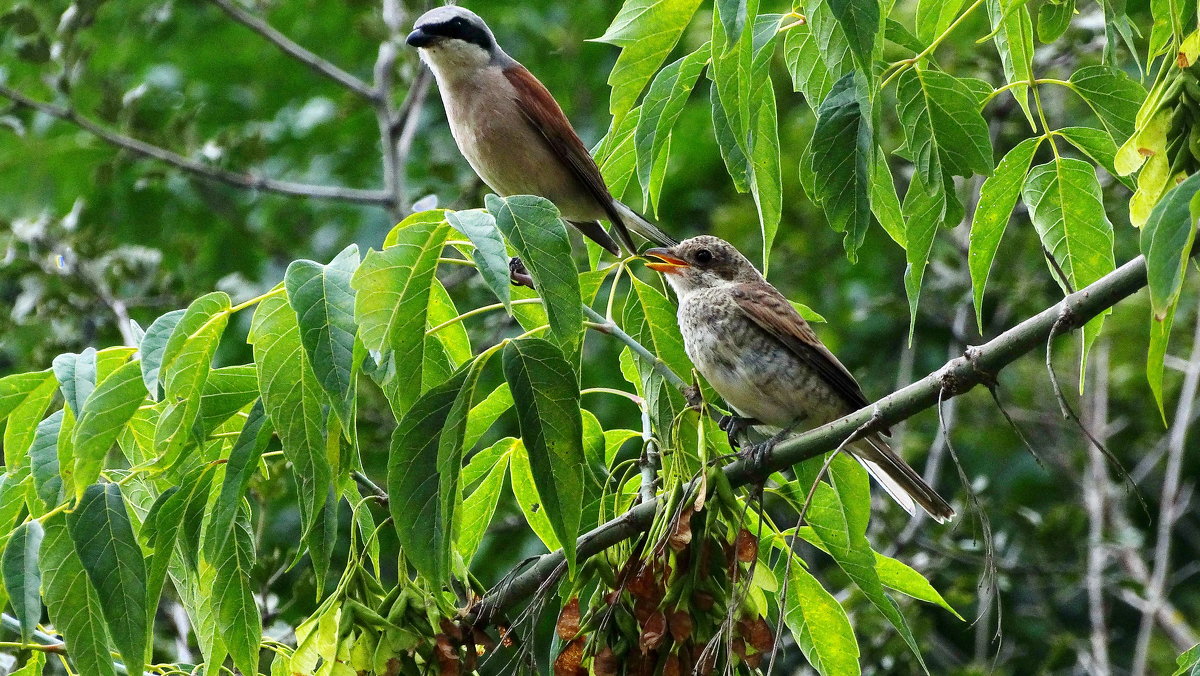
(761,356)
(512,131)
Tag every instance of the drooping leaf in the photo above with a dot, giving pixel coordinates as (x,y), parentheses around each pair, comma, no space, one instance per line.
(23,401)
(842,149)
(72,602)
(186,363)
(109,552)
(934,17)
(926,208)
(904,579)
(1166,242)
(820,625)
(452,340)
(480,505)
(532,226)
(43,460)
(1098,145)
(491,256)
(525,491)
(104,415)
(238,617)
(154,342)
(813,73)
(324,303)
(22,577)
(485,413)
(1013,26)
(885,205)
(646,31)
(661,108)
(76,374)
(762,144)
(243,461)
(1114,96)
(943,128)
(859,20)
(546,396)
(1053,19)
(294,403)
(997,197)
(390,305)
(727,141)
(1067,209)
(227,390)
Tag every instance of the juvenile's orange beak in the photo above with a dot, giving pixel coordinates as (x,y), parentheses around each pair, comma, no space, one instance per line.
(670,264)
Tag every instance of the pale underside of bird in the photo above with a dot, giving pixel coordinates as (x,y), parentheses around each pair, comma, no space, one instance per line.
(513,133)
(764,359)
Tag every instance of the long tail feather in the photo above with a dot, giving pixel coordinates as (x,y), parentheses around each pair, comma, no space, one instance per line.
(637,223)
(881,461)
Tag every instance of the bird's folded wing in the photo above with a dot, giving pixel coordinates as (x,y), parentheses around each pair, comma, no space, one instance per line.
(775,315)
(544,115)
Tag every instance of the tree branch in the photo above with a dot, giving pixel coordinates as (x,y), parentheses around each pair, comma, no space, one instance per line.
(49,643)
(294,50)
(231,178)
(978,365)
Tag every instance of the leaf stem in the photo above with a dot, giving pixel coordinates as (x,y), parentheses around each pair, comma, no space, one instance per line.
(1026,83)
(904,64)
(479,311)
(255,300)
(611,390)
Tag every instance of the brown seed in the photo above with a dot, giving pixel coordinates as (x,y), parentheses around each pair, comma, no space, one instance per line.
(652,632)
(747,546)
(703,600)
(450,629)
(682,535)
(643,609)
(761,636)
(569,659)
(606,663)
(739,647)
(680,625)
(568,620)
(643,584)
(447,656)
(671,666)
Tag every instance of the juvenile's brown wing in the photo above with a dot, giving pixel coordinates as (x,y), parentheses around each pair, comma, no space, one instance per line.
(544,115)
(775,315)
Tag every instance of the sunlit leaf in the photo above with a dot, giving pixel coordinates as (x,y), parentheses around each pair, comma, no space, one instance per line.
(943,128)
(842,150)
(154,342)
(820,625)
(72,602)
(23,401)
(480,505)
(1113,95)
(491,256)
(22,577)
(661,108)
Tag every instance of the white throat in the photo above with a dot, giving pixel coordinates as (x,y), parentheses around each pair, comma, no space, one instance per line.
(455,60)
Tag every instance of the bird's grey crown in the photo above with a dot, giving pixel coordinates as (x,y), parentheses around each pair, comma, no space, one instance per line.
(456,23)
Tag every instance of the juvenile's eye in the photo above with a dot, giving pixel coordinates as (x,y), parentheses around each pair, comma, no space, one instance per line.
(704,256)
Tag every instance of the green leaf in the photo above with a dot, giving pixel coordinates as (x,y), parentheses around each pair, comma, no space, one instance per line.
(820,625)
(1187,661)
(491,256)
(660,110)
(885,205)
(243,461)
(1098,145)
(934,17)
(111,556)
(453,340)
(294,403)
(186,362)
(812,75)
(154,342)
(34,666)
(391,303)
(733,17)
(616,154)
(646,31)
(532,226)
(167,523)
(839,522)
(859,20)
(727,141)
(324,303)
(762,146)
(76,374)
(997,197)
(22,577)
(901,577)
(925,209)
(525,492)
(1166,242)
(1053,19)
(485,413)
(104,415)
(72,602)
(665,340)
(1067,209)
(480,505)
(238,617)
(227,391)
(842,148)
(23,401)
(896,32)
(1014,42)
(546,392)
(1113,95)
(943,129)
(422,513)
(43,460)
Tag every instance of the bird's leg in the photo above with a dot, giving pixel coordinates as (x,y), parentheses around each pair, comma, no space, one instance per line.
(517,273)
(755,454)
(734,426)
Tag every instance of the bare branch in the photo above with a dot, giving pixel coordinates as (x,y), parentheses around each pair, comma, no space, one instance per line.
(1168,504)
(954,378)
(1095,488)
(294,50)
(235,179)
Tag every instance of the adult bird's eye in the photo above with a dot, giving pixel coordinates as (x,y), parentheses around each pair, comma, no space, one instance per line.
(704,256)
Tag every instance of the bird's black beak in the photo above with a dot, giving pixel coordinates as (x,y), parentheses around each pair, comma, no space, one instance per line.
(670,264)
(420,38)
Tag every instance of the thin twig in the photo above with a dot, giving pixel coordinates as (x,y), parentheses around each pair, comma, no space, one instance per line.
(1168,506)
(231,178)
(291,48)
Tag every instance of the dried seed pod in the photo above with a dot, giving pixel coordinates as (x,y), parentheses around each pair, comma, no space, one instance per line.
(653,630)
(447,656)
(671,666)
(681,536)
(570,659)
(568,620)
(760,635)
(680,624)
(643,585)
(449,628)
(703,600)
(747,546)
(606,663)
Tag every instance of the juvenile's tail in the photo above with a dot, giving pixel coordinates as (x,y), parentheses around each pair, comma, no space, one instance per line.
(899,479)
(632,220)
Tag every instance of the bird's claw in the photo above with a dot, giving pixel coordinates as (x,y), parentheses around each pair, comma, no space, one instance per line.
(734,426)
(756,454)
(517,274)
